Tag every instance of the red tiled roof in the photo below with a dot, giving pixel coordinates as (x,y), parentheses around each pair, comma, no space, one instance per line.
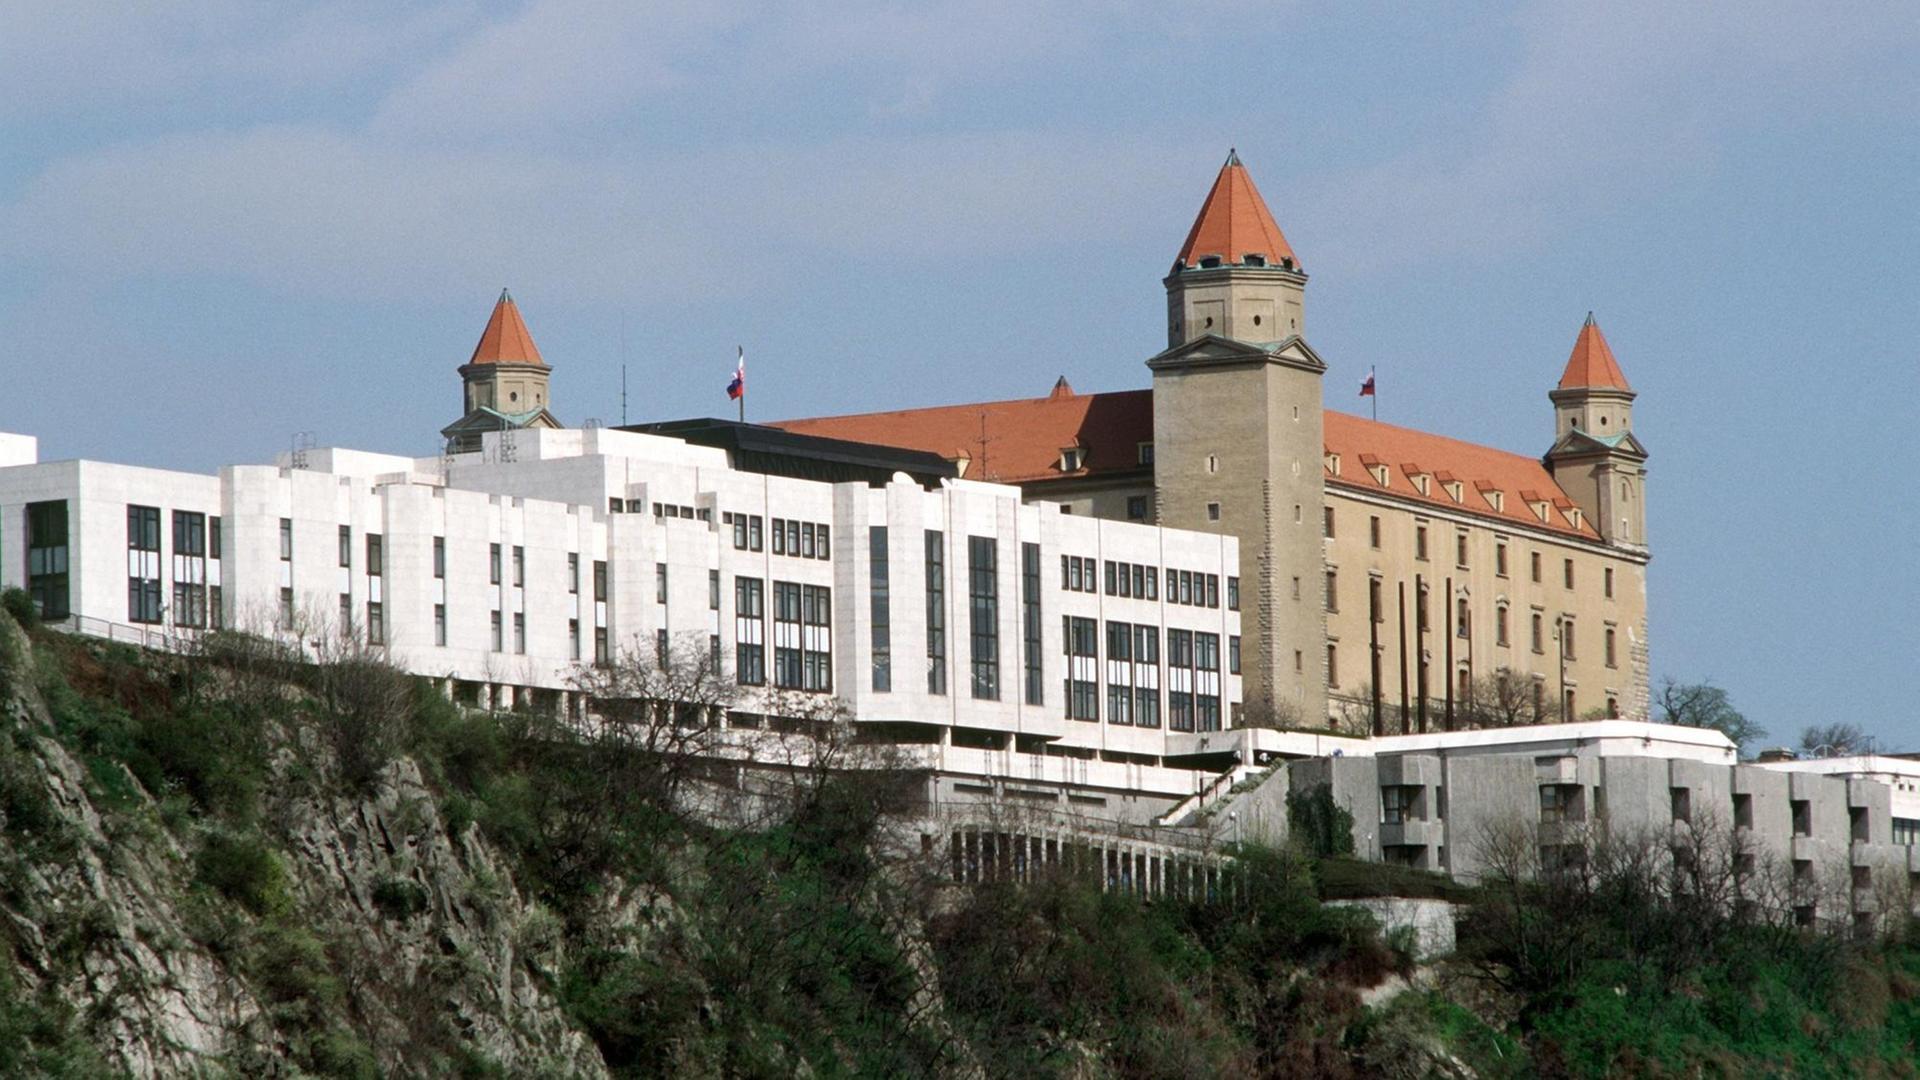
(1010,442)
(1592,362)
(1374,444)
(506,340)
(1023,440)
(1234,222)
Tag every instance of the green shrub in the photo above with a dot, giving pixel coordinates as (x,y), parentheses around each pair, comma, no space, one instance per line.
(1320,823)
(17,603)
(399,898)
(242,869)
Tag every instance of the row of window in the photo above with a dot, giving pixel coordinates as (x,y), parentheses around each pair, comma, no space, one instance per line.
(801,539)
(802,635)
(1133,674)
(1462,548)
(1463,621)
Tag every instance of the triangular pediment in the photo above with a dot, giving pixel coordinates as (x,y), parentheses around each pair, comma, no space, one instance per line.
(485,419)
(1578,443)
(1211,350)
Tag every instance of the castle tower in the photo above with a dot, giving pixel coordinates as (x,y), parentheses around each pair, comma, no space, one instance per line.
(1236,276)
(504,383)
(1238,442)
(1595,456)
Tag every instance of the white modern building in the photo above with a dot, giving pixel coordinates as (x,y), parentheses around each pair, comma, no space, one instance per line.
(950,610)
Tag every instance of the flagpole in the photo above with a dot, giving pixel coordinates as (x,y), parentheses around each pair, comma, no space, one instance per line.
(742,350)
(1373,373)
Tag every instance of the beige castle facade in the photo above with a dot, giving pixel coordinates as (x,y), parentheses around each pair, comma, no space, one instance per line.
(1391,579)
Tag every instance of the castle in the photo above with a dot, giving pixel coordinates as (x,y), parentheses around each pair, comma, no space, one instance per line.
(1393,578)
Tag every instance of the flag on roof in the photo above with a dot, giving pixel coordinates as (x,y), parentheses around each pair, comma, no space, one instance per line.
(737,389)
(1366,384)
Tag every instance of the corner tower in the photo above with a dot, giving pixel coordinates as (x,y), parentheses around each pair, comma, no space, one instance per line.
(1595,457)
(1238,440)
(504,382)
(1235,277)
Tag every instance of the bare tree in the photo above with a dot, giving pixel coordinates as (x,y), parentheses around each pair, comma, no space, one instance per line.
(1838,739)
(1704,705)
(1500,699)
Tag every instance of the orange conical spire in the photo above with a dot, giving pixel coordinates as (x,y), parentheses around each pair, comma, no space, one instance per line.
(1234,222)
(1592,363)
(506,340)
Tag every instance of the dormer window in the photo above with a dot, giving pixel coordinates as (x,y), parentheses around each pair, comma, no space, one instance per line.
(1497,500)
(1380,475)
(1210,262)
(1071,459)
(1145,451)
(1254,260)
(1455,490)
(1420,483)
(1333,464)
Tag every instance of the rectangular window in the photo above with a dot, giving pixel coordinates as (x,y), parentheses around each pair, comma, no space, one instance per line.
(1333,664)
(494,637)
(936,588)
(1500,625)
(346,545)
(753,532)
(1533,563)
(1153,583)
(1611,658)
(1460,550)
(519,567)
(1329,522)
(1146,676)
(713,590)
(749,631)
(376,557)
(713,653)
(660,647)
(1333,591)
(983,609)
(816,639)
(520,633)
(1606,578)
(1206,677)
(793,537)
(602,649)
(1420,541)
(1083,686)
(1462,620)
(573,573)
(1373,532)
(779,536)
(806,540)
(1030,620)
(1567,566)
(1139,580)
(440,557)
(1213,590)
(1233,654)
(1500,558)
(1233,594)
(143,564)
(1113,578)
(1120,673)
(660,582)
(1180,680)
(286,539)
(1375,609)
(215,543)
(493,564)
(440,624)
(1566,638)
(1186,587)
(599,580)
(1539,633)
(189,568)
(377,623)
(786,635)
(346,614)
(286,608)
(739,523)
(824,549)
(573,639)
(880,607)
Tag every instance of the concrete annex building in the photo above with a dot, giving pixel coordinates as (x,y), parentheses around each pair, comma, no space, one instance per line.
(1086,602)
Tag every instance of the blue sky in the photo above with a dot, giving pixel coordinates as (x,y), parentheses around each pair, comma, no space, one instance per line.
(224,225)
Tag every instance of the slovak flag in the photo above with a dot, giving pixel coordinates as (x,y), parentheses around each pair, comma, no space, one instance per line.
(737,389)
(1366,384)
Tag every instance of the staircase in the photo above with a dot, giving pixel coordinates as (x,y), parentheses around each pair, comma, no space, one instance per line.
(1189,810)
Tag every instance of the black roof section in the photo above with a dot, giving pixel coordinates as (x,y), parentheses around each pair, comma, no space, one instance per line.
(776,452)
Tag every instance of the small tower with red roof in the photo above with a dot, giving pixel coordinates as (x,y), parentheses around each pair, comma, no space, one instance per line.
(1236,276)
(1595,457)
(505,381)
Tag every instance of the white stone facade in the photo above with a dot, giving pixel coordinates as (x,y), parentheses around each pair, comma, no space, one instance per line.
(522,531)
